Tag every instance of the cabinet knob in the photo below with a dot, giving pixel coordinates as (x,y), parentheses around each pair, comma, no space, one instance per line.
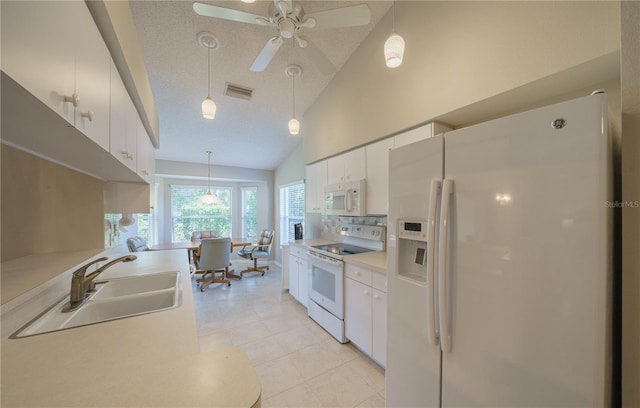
(146,173)
(358,273)
(376,297)
(74,99)
(366,292)
(88,115)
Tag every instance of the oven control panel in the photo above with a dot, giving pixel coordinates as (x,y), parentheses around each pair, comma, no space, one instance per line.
(370,232)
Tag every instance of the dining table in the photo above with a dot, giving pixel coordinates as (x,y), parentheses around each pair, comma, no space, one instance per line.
(192,246)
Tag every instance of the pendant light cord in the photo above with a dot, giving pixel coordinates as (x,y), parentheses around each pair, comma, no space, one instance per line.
(208,72)
(209,172)
(394,16)
(294,96)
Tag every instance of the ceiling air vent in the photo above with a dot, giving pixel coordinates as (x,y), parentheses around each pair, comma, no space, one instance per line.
(238,91)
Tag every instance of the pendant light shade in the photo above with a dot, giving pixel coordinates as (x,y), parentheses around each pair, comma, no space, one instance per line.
(394,46)
(208,41)
(394,50)
(293,71)
(209,198)
(208,108)
(294,126)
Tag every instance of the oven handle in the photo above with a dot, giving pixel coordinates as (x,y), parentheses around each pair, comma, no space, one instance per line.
(323,258)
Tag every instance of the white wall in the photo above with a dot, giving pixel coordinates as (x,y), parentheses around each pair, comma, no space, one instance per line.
(630,80)
(182,173)
(457,54)
(289,171)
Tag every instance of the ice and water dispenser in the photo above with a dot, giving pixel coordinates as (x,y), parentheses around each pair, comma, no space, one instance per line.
(412,250)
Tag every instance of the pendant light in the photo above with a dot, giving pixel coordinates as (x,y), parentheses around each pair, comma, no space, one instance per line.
(210,42)
(208,198)
(394,46)
(294,71)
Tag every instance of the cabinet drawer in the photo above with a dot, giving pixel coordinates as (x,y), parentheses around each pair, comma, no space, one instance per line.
(359,274)
(379,281)
(298,251)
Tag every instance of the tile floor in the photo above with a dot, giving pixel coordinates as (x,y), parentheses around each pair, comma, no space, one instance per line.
(297,362)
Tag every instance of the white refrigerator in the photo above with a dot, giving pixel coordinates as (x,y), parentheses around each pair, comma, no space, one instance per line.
(499,269)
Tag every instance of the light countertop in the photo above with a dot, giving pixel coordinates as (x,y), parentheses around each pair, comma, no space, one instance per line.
(376,260)
(148,360)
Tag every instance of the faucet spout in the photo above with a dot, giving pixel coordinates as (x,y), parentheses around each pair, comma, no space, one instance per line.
(81,284)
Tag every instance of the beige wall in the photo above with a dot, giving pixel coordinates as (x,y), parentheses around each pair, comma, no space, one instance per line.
(47,208)
(630,79)
(458,53)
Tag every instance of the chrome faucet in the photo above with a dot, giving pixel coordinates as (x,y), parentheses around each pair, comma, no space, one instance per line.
(81,284)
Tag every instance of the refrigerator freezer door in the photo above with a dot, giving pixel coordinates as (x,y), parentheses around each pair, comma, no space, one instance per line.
(530,271)
(413,364)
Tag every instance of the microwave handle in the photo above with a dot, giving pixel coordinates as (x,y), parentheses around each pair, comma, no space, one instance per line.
(347,198)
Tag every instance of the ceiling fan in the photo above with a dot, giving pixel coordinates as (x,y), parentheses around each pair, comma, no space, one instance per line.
(290,20)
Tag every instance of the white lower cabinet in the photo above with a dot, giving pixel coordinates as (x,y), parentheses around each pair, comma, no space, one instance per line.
(366,311)
(299,274)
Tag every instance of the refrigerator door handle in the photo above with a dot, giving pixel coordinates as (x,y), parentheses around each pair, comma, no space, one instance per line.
(431,245)
(443,287)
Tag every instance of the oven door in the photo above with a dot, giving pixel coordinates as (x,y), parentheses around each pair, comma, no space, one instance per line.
(327,283)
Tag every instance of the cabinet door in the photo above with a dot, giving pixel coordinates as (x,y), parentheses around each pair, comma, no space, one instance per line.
(378,176)
(145,153)
(93,72)
(314,188)
(293,276)
(354,165)
(304,275)
(379,327)
(346,167)
(413,135)
(38,50)
(124,119)
(357,317)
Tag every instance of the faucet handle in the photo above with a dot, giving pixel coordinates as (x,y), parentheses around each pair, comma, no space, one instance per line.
(81,270)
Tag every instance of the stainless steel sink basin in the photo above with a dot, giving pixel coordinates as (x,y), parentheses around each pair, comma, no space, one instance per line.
(113,299)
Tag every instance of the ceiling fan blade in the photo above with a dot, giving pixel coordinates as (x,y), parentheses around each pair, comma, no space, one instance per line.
(349,16)
(264,58)
(322,62)
(209,10)
(285,6)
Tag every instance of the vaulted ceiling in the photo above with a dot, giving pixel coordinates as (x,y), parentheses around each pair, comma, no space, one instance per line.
(245,133)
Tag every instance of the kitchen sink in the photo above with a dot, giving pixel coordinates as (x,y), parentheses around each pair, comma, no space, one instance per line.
(113,299)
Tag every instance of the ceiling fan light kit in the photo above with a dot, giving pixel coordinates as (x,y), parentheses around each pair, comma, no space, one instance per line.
(289,18)
(293,71)
(394,46)
(210,42)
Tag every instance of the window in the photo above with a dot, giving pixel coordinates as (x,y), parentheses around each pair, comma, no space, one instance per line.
(188,216)
(291,210)
(249,212)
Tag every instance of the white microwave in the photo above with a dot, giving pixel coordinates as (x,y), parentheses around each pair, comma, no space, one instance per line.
(346,198)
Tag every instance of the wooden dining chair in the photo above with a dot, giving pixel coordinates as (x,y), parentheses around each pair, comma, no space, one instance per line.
(214,258)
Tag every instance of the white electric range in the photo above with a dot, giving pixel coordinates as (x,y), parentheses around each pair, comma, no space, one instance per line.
(326,294)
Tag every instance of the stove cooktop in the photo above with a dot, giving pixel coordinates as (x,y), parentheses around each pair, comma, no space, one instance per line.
(342,249)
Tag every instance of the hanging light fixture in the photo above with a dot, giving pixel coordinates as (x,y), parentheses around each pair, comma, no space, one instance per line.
(210,42)
(294,71)
(208,198)
(394,46)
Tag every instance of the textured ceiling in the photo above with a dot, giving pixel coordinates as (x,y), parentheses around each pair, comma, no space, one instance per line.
(251,134)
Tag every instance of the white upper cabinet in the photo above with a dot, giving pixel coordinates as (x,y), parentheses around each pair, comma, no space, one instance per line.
(124,123)
(54,51)
(346,167)
(378,176)
(420,133)
(146,154)
(314,187)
